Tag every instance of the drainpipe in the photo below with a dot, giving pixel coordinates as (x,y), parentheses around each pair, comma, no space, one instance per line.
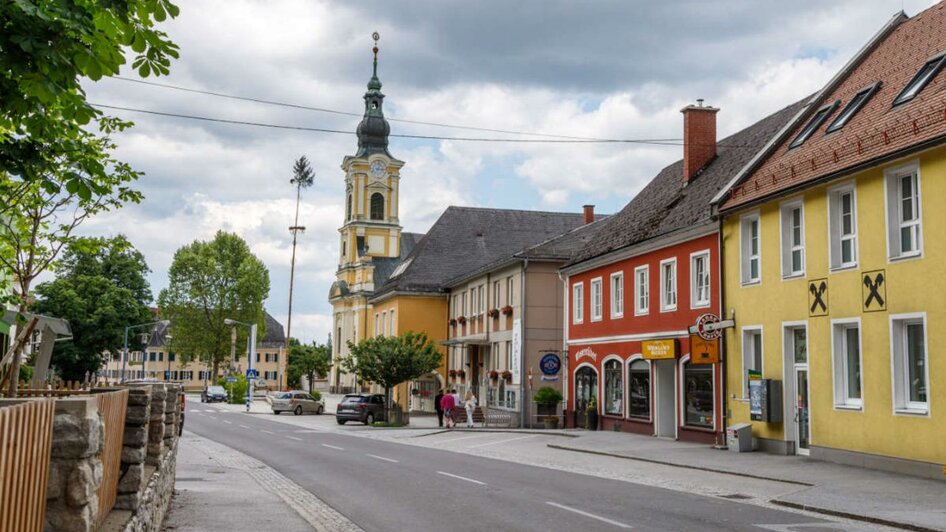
(722,339)
(522,341)
(566,379)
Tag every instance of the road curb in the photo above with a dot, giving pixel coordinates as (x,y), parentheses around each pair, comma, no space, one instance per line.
(500,431)
(856,517)
(682,466)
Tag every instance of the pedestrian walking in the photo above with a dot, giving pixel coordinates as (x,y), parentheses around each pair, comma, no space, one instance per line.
(469,402)
(439,408)
(447,404)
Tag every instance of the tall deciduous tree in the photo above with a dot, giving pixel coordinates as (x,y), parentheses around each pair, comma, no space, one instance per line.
(307,361)
(101,289)
(391,360)
(209,282)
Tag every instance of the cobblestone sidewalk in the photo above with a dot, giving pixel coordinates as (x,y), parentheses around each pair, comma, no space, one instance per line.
(320,516)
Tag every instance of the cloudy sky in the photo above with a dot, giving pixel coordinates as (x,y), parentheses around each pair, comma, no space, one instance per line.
(609,69)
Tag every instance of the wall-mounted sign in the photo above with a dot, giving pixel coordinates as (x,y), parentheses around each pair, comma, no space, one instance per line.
(516,361)
(874,291)
(703,351)
(586,352)
(659,349)
(550,364)
(818,297)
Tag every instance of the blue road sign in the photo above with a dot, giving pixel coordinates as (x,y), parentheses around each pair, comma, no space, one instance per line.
(231,379)
(251,374)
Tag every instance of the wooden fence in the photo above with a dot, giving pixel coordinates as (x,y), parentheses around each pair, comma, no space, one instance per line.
(112,406)
(26,431)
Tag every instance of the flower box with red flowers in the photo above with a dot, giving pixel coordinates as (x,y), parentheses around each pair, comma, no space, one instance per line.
(453,322)
(507,310)
(462,320)
(493,375)
(461,373)
(494,313)
(453,373)
(507,375)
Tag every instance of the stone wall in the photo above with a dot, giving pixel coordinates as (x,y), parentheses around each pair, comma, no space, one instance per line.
(75,469)
(134,448)
(155,498)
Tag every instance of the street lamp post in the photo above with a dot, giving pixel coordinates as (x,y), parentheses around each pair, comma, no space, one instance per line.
(167,338)
(125,348)
(250,355)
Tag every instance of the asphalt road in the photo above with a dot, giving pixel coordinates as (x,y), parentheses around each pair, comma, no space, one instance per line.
(382,485)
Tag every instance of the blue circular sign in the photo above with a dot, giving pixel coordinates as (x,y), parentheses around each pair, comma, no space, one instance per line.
(550,364)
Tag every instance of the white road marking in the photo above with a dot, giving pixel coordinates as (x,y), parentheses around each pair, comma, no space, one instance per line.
(460,478)
(393,461)
(244,427)
(294,438)
(266,431)
(333,447)
(308,431)
(503,441)
(193,411)
(227,422)
(211,411)
(593,516)
(480,435)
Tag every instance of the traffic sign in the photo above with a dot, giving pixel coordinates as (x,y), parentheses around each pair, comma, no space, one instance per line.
(251,374)
(231,380)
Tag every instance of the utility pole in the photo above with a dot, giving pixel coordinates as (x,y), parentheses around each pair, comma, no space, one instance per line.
(302,177)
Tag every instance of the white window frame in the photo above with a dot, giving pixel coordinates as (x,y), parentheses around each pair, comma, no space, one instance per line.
(496,293)
(617,295)
(787,244)
(391,323)
(510,290)
(623,367)
(665,304)
(384,322)
(597,299)
(745,246)
(894,218)
(835,238)
(578,304)
(642,290)
(695,301)
(463,304)
(627,372)
(899,361)
(482,296)
(748,355)
(842,399)
(377,324)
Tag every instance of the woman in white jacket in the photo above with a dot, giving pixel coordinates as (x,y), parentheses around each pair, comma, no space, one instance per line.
(469,401)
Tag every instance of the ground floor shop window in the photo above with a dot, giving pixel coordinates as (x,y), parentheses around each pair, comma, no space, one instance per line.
(639,389)
(613,388)
(698,395)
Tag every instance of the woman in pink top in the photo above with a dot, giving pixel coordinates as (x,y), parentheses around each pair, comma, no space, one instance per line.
(447,404)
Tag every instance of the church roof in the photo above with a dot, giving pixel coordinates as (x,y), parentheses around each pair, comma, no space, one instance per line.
(373,130)
(465,239)
(384,266)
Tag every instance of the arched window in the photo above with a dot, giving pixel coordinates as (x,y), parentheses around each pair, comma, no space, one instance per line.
(638,389)
(698,394)
(348,209)
(613,388)
(377,206)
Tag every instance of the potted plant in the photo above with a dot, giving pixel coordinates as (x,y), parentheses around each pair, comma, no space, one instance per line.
(507,310)
(453,322)
(507,375)
(547,400)
(591,414)
(493,375)
(494,313)
(462,320)
(461,373)
(453,373)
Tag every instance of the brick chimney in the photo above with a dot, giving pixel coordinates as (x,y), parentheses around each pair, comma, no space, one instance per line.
(699,138)
(589,213)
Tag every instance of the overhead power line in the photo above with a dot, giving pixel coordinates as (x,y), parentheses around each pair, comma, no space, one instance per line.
(656,142)
(345,113)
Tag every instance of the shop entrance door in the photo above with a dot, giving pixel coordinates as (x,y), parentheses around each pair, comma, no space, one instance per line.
(586,387)
(802,427)
(665,404)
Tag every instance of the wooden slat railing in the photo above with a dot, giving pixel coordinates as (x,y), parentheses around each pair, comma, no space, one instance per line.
(26,431)
(112,406)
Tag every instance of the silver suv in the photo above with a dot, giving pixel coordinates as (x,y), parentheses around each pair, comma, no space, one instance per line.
(366,408)
(297,403)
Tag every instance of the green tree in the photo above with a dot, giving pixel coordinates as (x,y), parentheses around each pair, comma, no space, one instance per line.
(101,289)
(391,360)
(307,361)
(209,282)
(48,48)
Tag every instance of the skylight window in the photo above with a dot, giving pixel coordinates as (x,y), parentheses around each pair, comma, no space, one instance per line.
(401,267)
(814,124)
(927,72)
(853,107)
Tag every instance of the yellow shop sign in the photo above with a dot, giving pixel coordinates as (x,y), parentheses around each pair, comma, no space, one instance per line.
(659,349)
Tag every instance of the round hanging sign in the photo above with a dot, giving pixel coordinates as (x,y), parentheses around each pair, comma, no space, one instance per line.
(550,364)
(704,327)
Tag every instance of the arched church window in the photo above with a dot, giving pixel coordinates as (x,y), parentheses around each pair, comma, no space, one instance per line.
(377,206)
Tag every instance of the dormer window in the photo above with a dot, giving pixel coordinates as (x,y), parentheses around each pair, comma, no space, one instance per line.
(853,107)
(927,72)
(814,124)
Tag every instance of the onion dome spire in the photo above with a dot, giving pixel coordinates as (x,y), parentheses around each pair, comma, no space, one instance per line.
(373,130)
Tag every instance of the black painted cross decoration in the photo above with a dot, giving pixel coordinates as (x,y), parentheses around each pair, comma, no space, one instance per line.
(874,290)
(818,297)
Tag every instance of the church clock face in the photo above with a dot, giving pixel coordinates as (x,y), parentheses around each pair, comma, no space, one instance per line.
(378,168)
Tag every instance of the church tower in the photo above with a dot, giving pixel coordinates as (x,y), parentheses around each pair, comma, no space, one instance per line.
(370,235)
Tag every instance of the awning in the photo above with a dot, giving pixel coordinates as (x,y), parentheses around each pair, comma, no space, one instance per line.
(58,325)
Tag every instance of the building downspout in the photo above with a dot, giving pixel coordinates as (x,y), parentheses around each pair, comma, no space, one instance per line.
(522,340)
(566,380)
(722,342)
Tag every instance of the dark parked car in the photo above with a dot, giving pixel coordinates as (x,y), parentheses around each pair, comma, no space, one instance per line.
(212,394)
(366,408)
